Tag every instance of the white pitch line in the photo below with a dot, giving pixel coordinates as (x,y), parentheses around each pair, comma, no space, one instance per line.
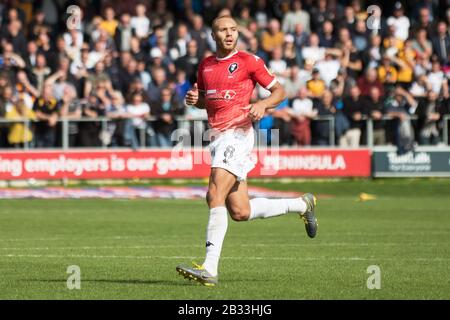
(225,257)
(329,244)
(365,234)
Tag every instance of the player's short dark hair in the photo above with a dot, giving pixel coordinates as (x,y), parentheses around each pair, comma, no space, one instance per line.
(218,18)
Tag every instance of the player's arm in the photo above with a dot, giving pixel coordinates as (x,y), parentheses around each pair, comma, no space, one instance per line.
(195,97)
(258,109)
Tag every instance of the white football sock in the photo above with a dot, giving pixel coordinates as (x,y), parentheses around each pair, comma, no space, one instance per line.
(215,233)
(266,208)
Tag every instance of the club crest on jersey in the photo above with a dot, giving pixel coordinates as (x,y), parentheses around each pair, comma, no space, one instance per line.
(232,67)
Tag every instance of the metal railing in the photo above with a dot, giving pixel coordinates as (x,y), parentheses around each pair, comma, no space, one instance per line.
(64,122)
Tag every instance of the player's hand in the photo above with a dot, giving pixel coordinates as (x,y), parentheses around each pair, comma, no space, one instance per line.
(257,111)
(192,96)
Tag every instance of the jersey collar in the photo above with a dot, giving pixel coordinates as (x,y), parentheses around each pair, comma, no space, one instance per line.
(228,56)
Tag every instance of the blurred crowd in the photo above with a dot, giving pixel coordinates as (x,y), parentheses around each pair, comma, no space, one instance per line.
(348,67)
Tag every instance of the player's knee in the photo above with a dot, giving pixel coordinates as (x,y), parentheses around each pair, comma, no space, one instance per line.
(240,214)
(214,199)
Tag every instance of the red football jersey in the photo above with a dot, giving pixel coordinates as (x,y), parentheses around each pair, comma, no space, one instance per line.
(228,84)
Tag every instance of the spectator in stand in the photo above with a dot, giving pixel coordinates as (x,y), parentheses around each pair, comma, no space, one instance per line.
(425,22)
(14,34)
(71,109)
(90,130)
(319,14)
(139,111)
(178,45)
(313,52)
(387,73)
(428,113)
(437,80)
(123,33)
(369,81)
(46,109)
(38,25)
(296,16)
(293,83)
(166,112)
(321,129)
(400,106)
(97,76)
(351,59)
(30,58)
(353,109)
(159,80)
(278,66)
(328,67)
(421,45)
(182,85)
(109,23)
(316,86)
(441,42)
(372,56)
(20,133)
(40,72)
(273,37)
(189,62)
(301,38)
(290,53)
(121,123)
(327,38)
(301,114)
(400,22)
(136,50)
(200,33)
(361,35)
(140,22)
(373,106)
(253,47)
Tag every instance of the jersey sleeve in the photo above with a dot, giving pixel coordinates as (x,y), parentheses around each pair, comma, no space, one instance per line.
(258,72)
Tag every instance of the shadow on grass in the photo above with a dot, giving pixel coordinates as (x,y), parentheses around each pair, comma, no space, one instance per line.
(177,282)
(119,281)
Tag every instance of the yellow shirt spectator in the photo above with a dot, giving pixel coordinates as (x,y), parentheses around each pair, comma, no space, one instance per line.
(387,74)
(271,41)
(405,61)
(18,132)
(109,26)
(316,87)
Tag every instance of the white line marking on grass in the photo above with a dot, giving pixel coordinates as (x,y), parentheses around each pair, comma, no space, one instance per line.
(275,235)
(328,244)
(225,257)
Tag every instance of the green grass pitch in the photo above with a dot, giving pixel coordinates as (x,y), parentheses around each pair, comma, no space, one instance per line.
(128,249)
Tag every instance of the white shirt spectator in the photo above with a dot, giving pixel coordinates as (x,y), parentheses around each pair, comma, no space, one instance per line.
(417,90)
(138,110)
(293,18)
(328,70)
(278,67)
(435,79)
(78,64)
(401,25)
(302,106)
(313,53)
(141,26)
(78,42)
(304,76)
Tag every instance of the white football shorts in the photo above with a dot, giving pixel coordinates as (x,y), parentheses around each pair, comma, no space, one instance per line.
(232,151)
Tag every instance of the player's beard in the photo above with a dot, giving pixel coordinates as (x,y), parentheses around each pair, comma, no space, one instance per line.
(225,47)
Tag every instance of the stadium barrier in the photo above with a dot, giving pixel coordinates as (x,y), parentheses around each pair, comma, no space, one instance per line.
(187,163)
(423,162)
(184,122)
